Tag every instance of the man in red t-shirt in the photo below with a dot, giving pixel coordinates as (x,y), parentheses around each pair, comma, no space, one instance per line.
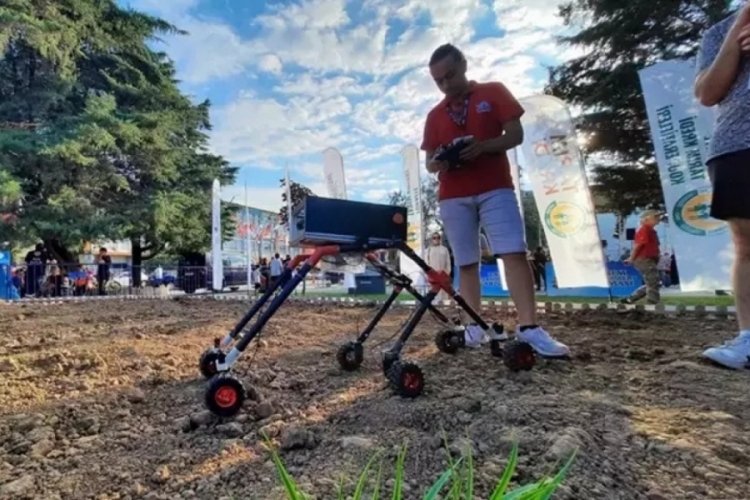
(479,190)
(645,258)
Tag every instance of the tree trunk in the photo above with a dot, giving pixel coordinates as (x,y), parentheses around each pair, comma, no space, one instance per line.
(622,234)
(136,261)
(59,251)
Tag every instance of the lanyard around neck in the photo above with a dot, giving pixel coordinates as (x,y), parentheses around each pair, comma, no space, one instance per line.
(459,117)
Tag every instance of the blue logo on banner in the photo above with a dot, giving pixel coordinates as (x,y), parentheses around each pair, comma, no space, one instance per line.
(624,280)
(7,290)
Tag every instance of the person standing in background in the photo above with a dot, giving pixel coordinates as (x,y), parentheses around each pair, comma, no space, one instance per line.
(665,264)
(36,263)
(540,266)
(277,268)
(103,264)
(438,258)
(645,257)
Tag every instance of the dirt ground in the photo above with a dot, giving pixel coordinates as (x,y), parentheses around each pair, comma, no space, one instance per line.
(104,400)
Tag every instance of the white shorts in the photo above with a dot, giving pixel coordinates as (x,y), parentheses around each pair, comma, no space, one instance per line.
(498,214)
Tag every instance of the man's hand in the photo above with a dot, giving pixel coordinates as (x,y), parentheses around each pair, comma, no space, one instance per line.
(629,260)
(437,166)
(472,151)
(743,39)
(743,17)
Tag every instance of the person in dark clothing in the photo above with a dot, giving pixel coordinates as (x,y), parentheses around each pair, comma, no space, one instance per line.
(36,260)
(540,264)
(104,262)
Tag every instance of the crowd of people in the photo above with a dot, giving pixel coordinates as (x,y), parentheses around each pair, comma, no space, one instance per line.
(265,272)
(43,276)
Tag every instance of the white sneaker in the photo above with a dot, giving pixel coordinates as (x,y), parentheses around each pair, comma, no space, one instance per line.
(474,336)
(543,343)
(733,354)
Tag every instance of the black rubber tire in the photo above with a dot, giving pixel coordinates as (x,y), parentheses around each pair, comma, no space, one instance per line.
(496,348)
(350,356)
(448,341)
(207,362)
(407,379)
(225,395)
(518,356)
(388,361)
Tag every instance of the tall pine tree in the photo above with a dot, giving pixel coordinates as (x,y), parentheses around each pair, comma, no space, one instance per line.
(96,132)
(618,39)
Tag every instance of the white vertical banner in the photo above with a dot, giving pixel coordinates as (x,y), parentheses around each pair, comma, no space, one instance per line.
(333,169)
(555,168)
(289,207)
(248,243)
(217,268)
(416,229)
(515,174)
(680,130)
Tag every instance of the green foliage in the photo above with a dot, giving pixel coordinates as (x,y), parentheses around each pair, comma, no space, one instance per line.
(458,479)
(429,203)
(617,39)
(532,222)
(622,190)
(96,132)
(298,192)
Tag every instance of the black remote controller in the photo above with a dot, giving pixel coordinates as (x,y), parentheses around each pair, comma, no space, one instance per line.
(451,152)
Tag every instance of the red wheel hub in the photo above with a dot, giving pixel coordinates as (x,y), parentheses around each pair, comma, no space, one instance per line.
(226,397)
(412,381)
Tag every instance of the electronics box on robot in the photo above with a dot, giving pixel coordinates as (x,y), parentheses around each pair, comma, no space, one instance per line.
(327,221)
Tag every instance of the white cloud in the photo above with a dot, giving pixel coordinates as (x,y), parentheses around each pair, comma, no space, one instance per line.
(168,9)
(251,130)
(335,79)
(313,14)
(376,195)
(270,63)
(527,15)
(210,51)
(258,197)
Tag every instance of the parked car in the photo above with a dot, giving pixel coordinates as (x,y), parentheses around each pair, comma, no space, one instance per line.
(194,272)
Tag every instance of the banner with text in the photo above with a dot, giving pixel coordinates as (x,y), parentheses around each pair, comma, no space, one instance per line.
(216,260)
(554,166)
(515,174)
(333,170)
(415,234)
(680,130)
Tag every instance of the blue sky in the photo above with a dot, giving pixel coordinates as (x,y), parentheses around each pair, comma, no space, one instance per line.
(289,78)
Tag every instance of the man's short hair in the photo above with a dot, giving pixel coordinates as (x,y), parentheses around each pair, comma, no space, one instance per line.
(444,51)
(651,213)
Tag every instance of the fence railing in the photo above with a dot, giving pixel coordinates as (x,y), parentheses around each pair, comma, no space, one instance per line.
(63,280)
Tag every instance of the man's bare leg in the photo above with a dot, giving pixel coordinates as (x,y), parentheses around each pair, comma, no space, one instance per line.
(521,286)
(736,353)
(741,273)
(470,286)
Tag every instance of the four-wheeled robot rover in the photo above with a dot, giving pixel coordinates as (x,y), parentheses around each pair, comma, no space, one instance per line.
(334,227)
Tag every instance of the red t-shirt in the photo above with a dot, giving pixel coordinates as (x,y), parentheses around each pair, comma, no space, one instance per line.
(648,239)
(490,105)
